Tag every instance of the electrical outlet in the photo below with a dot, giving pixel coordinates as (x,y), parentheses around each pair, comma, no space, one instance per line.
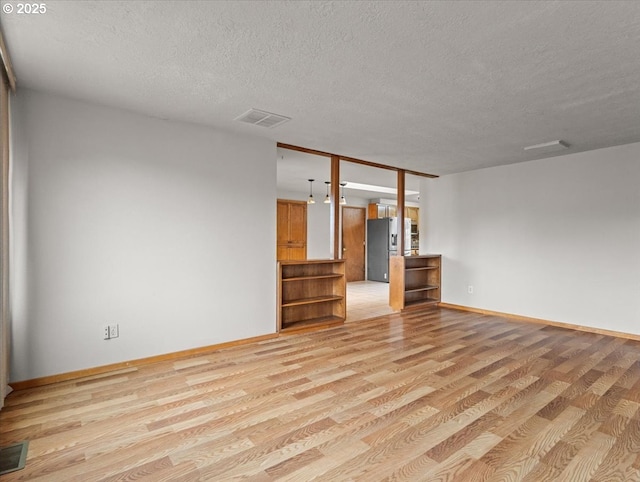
(470,289)
(111,331)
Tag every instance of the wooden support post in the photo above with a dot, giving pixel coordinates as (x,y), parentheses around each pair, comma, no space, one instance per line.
(336,250)
(401,237)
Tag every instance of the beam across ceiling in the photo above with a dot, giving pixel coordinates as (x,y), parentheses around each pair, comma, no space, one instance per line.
(352,159)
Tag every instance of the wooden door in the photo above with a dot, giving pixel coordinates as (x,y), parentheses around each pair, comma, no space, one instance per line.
(291,230)
(353,232)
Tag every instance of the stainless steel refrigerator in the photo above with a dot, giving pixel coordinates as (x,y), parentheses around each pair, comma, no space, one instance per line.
(382,242)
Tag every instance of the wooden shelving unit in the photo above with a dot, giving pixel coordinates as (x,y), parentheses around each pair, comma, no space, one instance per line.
(414,281)
(310,293)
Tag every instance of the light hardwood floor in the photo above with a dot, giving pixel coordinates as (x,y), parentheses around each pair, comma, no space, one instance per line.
(438,395)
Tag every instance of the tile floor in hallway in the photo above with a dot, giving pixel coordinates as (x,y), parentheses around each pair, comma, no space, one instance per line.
(367,299)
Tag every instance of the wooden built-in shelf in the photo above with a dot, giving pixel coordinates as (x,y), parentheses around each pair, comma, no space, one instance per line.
(311,293)
(313,299)
(420,303)
(323,321)
(303,278)
(414,281)
(422,288)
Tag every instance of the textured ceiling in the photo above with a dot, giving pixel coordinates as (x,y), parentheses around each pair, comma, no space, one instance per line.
(437,87)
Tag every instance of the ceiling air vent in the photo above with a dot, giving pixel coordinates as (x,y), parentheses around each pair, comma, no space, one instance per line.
(262,118)
(545,147)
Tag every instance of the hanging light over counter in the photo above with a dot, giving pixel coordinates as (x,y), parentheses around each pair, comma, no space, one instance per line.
(343,200)
(311,200)
(327,198)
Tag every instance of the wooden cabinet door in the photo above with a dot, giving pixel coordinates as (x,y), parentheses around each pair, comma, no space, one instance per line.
(283,223)
(298,223)
(298,253)
(412,213)
(379,211)
(372,211)
(291,230)
(282,252)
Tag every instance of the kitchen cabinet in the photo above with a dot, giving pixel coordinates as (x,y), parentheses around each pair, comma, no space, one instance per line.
(412,213)
(379,211)
(291,230)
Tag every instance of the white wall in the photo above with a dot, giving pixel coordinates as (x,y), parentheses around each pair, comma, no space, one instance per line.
(19,242)
(141,222)
(357,202)
(556,239)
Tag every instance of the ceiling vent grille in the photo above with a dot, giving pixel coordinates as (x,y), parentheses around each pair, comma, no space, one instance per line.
(262,118)
(545,147)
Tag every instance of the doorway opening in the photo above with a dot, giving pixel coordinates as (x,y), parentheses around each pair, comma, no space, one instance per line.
(344,196)
(367,294)
(365,298)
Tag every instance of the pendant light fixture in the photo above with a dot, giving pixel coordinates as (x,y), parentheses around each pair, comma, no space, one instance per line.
(343,200)
(327,198)
(311,200)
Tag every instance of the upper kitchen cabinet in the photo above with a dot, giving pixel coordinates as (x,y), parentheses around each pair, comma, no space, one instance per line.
(291,230)
(412,213)
(381,210)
